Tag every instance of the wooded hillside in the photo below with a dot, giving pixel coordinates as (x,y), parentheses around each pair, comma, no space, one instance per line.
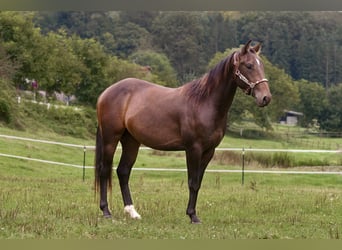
(81,53)
(308,45)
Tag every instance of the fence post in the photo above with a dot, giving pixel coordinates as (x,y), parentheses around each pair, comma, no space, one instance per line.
(84,156)
(243,167)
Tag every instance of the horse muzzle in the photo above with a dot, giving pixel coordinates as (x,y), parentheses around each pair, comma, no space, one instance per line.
(264,100)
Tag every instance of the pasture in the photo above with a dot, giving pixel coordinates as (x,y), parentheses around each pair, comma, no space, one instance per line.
(42,201)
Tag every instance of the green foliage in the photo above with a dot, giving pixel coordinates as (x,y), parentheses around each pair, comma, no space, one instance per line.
(179,36)
(23,43)
(312,101)
(129,38)
(322,105)
(285,94)
(331,117)
(63,120)
(7,66)
(305,46)
(160,66)
(8,108)
(5,112)
(292,40)
(284,160)
(81,53)
(93,79)
(58,61)
(64,67)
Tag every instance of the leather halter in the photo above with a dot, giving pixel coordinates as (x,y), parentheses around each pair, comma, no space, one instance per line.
(251,85)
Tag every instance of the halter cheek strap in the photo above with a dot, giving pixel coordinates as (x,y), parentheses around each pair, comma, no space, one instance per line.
(251,85)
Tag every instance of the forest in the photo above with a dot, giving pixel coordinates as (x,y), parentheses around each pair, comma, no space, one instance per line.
(81,53)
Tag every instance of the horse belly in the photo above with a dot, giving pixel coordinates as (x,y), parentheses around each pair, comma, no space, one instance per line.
(157,137)
(155,128)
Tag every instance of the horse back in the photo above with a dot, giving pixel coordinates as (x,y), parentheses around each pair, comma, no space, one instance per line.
(151,113)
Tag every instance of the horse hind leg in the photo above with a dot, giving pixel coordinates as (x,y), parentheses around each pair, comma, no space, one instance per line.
(130,148)
(105,177)
(106,142)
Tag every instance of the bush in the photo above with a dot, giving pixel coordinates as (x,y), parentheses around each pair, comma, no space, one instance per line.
(5,111)
(271,160)
(282,160)
(8,107)
(65,120)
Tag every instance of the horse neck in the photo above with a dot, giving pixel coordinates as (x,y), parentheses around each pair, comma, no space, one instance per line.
(223,92)
(223,95)
(215,89)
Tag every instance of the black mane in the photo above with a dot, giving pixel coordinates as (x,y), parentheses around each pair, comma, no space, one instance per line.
(201,88)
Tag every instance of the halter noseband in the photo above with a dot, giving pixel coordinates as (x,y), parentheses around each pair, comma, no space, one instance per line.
(251,85)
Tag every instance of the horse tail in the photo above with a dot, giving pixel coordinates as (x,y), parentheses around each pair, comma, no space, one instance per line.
(99,164)
(98,159)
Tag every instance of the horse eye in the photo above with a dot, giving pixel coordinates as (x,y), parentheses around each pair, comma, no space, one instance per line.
(249,66)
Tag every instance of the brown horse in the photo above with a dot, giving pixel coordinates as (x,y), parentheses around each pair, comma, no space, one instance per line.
(192,118)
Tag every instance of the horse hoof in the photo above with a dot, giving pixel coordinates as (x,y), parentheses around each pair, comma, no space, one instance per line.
(195,220)
(132,212)
(107,216)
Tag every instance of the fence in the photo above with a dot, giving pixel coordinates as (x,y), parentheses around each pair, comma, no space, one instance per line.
(242,150)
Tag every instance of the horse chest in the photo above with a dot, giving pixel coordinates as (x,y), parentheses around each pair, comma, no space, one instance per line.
(206,131)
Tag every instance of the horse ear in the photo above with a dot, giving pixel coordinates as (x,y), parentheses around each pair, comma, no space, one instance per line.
(257,48)
(236,59)
(245,48)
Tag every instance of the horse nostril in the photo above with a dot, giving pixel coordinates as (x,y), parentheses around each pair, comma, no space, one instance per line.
(266,100)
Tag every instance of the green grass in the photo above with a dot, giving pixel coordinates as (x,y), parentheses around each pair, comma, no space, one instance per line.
(43,201)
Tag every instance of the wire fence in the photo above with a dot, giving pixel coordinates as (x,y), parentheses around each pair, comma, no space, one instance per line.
(242,150)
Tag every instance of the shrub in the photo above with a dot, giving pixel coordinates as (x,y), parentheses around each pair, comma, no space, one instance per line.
(282,160)
(65,120)
(271,159)
(5,113)
(7,102)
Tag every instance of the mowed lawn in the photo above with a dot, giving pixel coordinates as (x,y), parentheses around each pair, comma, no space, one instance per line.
(53,202)
(46,201)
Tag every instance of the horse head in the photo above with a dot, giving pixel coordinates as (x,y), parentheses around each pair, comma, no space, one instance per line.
(249,73)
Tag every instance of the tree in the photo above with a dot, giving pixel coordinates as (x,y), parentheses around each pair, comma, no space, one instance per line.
(7,66)
(160,66)
(118,69)
(23,43)
(179,36)
(64,67)
(93,78)
(331,117)
(285,93)
(143,19)
(130,37)
(312,101)
(305,46)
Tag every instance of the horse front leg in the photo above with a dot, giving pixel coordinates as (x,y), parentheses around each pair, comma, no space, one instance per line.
(197,162)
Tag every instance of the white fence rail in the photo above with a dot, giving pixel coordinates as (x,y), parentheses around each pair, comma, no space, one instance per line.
(84,147)
(147,148)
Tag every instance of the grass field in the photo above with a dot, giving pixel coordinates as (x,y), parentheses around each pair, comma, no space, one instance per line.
(43,201)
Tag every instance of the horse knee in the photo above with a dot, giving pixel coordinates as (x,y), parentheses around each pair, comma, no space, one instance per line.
(122,171)
(194,185)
